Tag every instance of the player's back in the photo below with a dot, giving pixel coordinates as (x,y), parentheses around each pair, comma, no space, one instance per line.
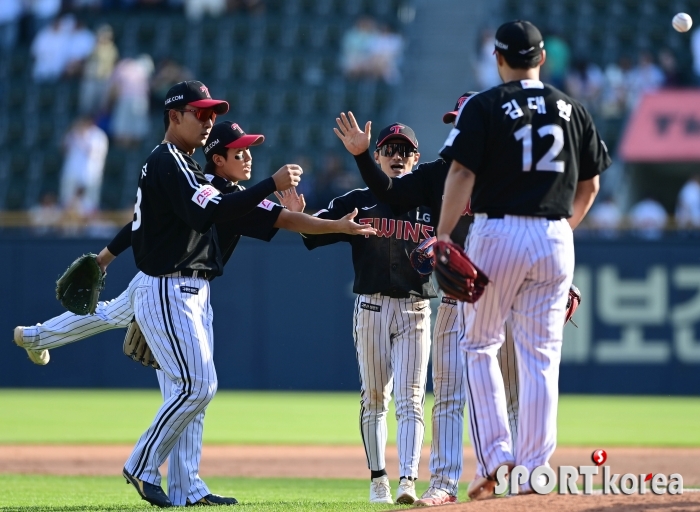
(531,135)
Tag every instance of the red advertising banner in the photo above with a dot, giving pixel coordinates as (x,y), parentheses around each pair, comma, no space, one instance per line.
(665,127)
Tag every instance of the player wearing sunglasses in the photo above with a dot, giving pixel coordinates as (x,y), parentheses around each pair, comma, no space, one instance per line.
(391,317)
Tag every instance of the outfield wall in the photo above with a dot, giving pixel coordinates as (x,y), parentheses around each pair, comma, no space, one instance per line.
(282,318)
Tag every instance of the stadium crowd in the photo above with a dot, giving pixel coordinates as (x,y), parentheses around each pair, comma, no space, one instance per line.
(118,94)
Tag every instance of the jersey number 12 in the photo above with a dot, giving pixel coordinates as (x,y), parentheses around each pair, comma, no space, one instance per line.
(547,162)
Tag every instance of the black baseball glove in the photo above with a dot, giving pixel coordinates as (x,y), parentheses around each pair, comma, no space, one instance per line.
(78,289)
(456,275)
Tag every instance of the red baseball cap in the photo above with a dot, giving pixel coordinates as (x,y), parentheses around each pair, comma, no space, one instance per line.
(193,93)
(229,135)
(451,116)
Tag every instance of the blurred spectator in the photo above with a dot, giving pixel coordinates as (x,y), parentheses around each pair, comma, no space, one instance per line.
(370,52)
(387,53)
(77,214)
(42,11)
(605,217)
(196,9)
(168,74)
(556,66)
(648,218)
(86,149)
(695,50)
(614,100)
(688,205)
(130,90)
(50,51)
(584,82)
(45,216)
(486,69)
(10,13)
(81,42)
(97,72)
(646,77)
(356,48)
(669,67)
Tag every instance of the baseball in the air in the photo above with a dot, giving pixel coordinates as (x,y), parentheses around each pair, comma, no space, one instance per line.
(682,22)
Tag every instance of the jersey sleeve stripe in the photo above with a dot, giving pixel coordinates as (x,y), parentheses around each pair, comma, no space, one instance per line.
(184,167)
(330,205)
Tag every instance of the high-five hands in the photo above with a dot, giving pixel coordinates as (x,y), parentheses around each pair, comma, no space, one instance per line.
(291,200)
(348,226)
(287,176)
(355,140)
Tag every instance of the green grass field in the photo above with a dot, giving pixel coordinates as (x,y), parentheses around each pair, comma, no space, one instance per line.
(110,417)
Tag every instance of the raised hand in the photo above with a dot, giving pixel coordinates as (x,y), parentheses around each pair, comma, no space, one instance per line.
(355,140)
(348,226)
(291,200)
(287,176)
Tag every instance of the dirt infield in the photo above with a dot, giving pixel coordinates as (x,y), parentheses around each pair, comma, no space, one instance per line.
(349,462)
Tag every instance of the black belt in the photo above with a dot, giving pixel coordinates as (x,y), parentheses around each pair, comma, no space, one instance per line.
(502,215)
(188,272)
(397,295)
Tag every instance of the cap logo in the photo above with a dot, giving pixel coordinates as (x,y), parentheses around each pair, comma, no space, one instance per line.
(235,127)
(208,148)
(523,52)
(461,101)
(396,128)
(501,45)
(205,91)
(174,98)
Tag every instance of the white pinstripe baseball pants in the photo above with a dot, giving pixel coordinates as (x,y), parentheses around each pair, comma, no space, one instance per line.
(530,262)
(174,316)
(69,327)
(392,340)
(446,450)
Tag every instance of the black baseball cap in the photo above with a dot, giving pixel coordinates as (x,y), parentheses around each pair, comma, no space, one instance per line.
(195,93)
(520,40)
(451,116)
(397,130)
(229,135)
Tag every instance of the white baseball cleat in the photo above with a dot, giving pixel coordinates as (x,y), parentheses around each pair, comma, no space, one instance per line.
(40,357)
(434,497)
(380,491)
(406,494)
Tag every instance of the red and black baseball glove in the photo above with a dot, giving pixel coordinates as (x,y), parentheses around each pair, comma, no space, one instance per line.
(456,274)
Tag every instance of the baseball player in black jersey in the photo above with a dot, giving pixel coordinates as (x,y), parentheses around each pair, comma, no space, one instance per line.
(228,161)
(423,186)
(391,318)
(530,158)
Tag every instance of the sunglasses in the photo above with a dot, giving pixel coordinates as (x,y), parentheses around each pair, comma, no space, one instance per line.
(403,150)
(203,114)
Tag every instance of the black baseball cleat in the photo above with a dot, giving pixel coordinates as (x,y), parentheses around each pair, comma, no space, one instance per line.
(212,500)
(153,494)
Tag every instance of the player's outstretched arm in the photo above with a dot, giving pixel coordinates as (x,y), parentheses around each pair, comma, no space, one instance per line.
(458,190)
(353,138)
(233,206)
(583,199)
(302,223)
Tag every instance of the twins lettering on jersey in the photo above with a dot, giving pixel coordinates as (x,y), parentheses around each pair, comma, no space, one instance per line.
(204,194)
(387,228)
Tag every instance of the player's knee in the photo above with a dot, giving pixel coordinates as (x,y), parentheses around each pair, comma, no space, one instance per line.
(375,400)
(203,390)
